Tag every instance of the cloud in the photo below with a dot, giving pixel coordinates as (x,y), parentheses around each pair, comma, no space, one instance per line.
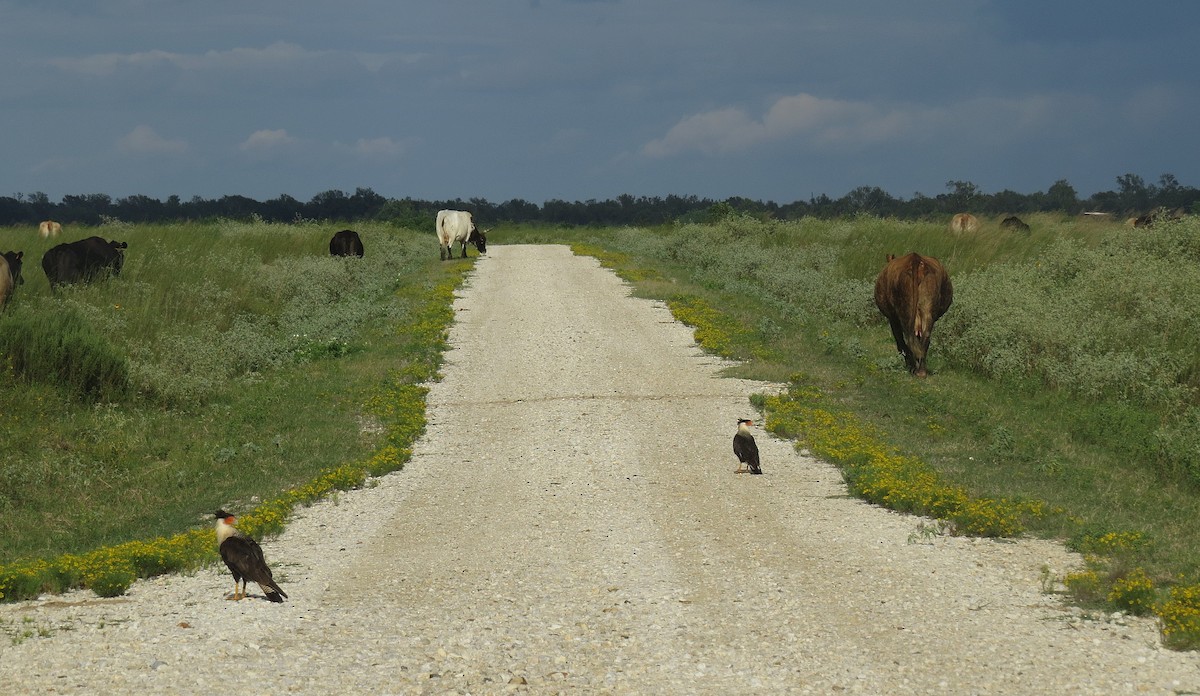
(106,64)
(379,148)
(143,140)
(853,125)
(264,141)
(733,130)
(279,68)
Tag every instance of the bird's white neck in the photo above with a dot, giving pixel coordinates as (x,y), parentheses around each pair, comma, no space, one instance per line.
(224,531)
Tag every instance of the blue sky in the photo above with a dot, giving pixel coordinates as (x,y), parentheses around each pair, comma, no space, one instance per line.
(589,99)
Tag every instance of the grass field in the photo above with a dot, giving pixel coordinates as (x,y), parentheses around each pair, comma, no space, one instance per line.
(228,363)
(231,362)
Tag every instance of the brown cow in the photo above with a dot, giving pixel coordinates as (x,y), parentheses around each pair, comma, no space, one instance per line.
(913,292)
(964,222)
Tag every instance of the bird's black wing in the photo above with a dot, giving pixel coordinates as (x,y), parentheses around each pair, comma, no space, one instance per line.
(245,559)
(739,449)
(746,450)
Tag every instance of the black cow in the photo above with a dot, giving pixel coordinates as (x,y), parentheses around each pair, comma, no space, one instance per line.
(83,260)
(346,243)
(10,274)
(1012,222)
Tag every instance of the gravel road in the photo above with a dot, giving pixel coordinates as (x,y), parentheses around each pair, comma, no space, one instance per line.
(571,522)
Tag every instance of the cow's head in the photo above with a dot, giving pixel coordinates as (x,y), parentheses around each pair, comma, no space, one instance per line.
(478,238)
(14,265)
(119,258)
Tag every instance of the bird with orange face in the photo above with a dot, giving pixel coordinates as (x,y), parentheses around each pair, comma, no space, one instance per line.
(244,558)
(746,449)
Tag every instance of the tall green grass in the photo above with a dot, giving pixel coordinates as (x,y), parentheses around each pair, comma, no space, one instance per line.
(227,363)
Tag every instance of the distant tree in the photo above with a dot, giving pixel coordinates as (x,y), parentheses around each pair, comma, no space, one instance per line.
(39,204)
(13,211)
(872,200)
(519,211)
(138,209)
(962,197)
(1133,193)
(282,209)
(238,207)
(365,204)
(415,215)
(1061,196)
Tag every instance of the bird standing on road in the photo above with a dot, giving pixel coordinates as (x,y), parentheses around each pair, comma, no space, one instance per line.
(745,448)
(244,558)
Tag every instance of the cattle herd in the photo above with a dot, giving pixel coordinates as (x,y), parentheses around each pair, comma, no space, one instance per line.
(912,291)
(95,258)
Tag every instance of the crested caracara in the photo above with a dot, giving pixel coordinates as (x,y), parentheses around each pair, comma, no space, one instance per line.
(745,448)
(244,558)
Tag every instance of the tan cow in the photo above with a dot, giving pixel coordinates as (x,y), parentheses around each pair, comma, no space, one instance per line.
(10,274)
(964,222)
(49,228)
(913,292)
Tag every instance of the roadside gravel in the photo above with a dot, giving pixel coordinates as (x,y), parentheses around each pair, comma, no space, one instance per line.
(571,522)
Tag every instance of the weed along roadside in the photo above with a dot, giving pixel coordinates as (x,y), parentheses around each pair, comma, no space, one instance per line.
(992,454)
(389,334)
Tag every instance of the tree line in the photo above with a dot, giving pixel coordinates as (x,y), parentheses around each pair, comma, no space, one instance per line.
(1132,196)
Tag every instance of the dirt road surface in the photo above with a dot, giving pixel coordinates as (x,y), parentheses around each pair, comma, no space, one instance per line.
(571,523)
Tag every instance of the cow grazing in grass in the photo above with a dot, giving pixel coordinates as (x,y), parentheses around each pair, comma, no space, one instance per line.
(457,227)
(913,292)
(346,243)
(964,222)
(49,228)
(10,274)
(83,260)
(1158,215)
(1012,222)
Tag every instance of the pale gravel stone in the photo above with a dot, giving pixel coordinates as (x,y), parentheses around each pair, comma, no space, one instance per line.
(571,523)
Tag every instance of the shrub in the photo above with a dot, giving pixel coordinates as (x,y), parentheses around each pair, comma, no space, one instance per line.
(60,348)
(1133,593)
(1179,618)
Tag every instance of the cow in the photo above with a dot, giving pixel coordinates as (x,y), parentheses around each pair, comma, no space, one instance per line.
(456,226)
(49,228)
(83,260)
(1159,214)
(10,274)
(346,243)
(913,292)
(1012,222)
(964,222)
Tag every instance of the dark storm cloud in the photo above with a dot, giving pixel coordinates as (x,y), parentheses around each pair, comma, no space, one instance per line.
(590,99)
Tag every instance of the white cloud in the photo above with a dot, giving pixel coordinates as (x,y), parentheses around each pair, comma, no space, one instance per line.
(379,148)
(143,140)
(267,141)
(277,54)
(850,125)
(108,64)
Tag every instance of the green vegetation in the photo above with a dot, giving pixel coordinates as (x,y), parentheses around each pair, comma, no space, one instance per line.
(1063,400)
(230,365)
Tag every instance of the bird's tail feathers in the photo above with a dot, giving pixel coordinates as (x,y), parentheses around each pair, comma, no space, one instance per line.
(273,593)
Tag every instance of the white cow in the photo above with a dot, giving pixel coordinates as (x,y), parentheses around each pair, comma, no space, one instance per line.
(457,227)
(49,228)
